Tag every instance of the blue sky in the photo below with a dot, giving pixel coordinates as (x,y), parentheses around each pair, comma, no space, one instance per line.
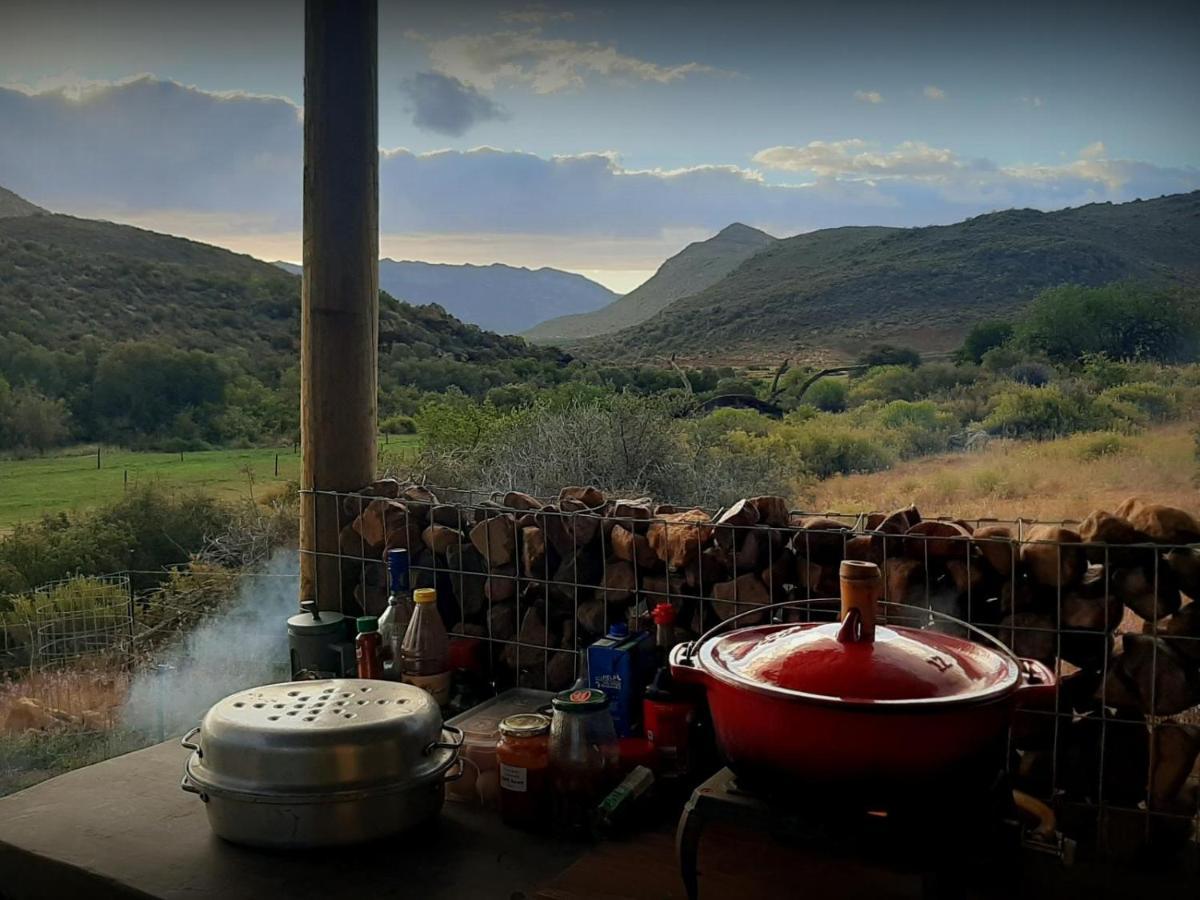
(618,132)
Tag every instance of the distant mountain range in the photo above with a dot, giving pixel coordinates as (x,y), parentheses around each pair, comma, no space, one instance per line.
(688,272)
(65,280)
(829,293)
(500,298)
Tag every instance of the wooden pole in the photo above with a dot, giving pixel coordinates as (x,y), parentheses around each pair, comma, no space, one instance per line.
(340,305)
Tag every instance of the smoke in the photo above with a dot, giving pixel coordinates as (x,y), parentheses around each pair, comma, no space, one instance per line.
(244,646)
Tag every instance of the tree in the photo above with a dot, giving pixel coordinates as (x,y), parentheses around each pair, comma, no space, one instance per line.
(888,355)
(37,422)
(983,337)
(141,387)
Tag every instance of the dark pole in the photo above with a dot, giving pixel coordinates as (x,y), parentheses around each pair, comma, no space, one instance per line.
(339,314)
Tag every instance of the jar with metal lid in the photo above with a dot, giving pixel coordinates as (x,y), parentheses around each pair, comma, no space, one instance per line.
(584,755)
(523,753)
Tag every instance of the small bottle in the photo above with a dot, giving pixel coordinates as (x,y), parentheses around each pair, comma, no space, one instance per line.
(664,637)
(425,652)
(366,648)
(394,621)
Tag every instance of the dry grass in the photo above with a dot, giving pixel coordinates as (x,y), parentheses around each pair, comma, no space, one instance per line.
(88,699)
(1052,480)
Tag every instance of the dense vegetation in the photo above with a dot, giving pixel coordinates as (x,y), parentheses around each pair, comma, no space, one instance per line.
(839,288)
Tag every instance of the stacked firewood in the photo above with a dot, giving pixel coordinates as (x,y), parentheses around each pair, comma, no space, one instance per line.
(1109,604)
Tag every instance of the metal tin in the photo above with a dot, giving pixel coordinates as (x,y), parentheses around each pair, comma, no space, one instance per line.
(310,763)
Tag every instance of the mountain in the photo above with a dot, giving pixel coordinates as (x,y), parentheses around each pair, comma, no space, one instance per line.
(12,206)
(689,271)
(827,294)
(64,280)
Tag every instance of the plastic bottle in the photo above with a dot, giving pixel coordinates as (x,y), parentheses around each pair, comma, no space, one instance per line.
(366,648)
(394,622)
(425,652)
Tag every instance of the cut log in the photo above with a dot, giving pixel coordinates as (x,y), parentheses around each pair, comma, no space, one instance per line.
(781,575)
(968,576)
(731,597)
(772,511)
(533,634)
(501,585)
(659,588)
(732,524)
(353,504)
(1174,748)
(450,516)
(706,570)
(589,497)
(633,547)
(1185,565)
(1103,528)
(440,539)
(996,545)
(748,556)
(583,520)
(620,582)
(576,577)
(1166,684)
(560,673)
(1181,632)
(931,539)
(502,621)
(904,580)
(1139,590)
(351,544)
(866,548)
(1030,635)
(677,538)
(627,511)
(520,500)
(594,618)
(822,540)
(533,552)
(1090,613)
(1166,524)
(1053,556)
(899,521)
(379,519)
(496,540)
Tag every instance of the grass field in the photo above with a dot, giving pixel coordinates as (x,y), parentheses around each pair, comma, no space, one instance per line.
(70,480)
(1050,480)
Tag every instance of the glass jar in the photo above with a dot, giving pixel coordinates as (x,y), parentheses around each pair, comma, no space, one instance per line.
(584,755)
(523,753)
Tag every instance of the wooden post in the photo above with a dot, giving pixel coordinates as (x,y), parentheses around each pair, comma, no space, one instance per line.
(340,305)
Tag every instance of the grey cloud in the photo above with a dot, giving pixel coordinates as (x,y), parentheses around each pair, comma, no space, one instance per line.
(444,104)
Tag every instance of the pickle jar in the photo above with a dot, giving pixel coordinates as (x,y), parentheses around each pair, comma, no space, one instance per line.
(523,753)
(584,755)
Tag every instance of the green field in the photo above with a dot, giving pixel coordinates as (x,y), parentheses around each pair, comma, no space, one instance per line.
(70,479)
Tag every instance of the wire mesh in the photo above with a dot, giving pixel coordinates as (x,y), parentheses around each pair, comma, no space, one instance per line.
(83,617)
(530,582)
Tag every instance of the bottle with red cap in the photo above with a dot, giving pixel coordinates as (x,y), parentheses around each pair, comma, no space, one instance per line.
(667,708)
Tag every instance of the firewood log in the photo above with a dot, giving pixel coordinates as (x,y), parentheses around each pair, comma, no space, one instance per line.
(747,555)
(576,577)
(532,632)
(521,501)
(533,552)
(706,570)
(1166,684)
(501,585)
(1165,524)
(936,540)
(466,568)
(589,497)
(486,509)
(899,521)
(730,597)
(772,511)
(733,524)
(619,582)
(352,505)
(496,539)
(678,537)
(865,547)
(1180,632)
(502,621)
(439,538)
(594,617)
(903,580)
(634,548)
(351,544)
(968,575)
(822,540)
(1053,556)
(1151,595)
(450,516)
(1174,749)
(583,520)
(1030,635)
(1185,565)
(996,545)
(560,673)
(780,575)
(1103,528)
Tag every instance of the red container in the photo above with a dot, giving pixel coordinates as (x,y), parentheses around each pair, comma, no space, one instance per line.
(854,702)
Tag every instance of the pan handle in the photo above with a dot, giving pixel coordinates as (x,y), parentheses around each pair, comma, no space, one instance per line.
(187,743)
(447,745)
(1038,686)
(186,784)
(683,669)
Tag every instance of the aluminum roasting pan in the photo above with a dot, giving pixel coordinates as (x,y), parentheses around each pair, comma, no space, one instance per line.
(313,763)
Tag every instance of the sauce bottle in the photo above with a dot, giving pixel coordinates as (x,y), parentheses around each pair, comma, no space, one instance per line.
(523,753)
(425,651)
(366,648)
(394,621)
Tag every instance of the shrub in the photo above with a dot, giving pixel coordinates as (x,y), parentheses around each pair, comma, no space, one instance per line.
(983,337)
(1157,402)
(827,395)
(398,425)
(885,383)
(1034,374)
(1035,412)
(887,355)
(1088,447)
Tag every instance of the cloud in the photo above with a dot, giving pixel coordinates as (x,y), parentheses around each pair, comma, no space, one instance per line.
(446,105)
(547,65)
(536,14)
(868,97)
(1035,102)
(1095,150)
(933,92)
(227,169)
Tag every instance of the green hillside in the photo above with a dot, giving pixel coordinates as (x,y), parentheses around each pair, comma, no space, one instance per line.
(830,292)
(693,269)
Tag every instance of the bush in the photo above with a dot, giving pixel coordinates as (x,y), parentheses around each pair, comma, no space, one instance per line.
(983,337)
(1090,447)
(885,383)
(1034,374)
(827,395)
(887,355)
(1035,412)
(1158,403)
(398,425)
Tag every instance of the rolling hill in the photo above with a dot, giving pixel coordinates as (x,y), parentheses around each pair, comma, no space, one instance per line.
(827,294)
(64,280)
(11,205)
(505,299)
(688,272)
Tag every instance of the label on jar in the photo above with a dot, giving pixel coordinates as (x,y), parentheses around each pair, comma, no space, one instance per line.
(514,778)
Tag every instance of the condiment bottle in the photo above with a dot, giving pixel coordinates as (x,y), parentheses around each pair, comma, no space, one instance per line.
(394,621)
(523,753)
(667,708)
(425,651)
(366,648)
(584,755)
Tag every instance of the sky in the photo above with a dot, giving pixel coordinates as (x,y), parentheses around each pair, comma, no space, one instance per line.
(602,138)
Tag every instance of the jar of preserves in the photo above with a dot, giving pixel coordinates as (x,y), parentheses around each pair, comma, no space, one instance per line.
(584,755)
(523,753)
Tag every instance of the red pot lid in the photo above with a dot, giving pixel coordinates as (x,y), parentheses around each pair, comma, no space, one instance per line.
(902,665)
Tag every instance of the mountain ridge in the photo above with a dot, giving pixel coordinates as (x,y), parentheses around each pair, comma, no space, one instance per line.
(14,206)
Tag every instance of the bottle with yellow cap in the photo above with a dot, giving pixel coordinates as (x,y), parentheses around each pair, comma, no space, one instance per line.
(426,648)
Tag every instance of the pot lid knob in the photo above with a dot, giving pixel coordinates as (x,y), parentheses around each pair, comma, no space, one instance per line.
(862,586)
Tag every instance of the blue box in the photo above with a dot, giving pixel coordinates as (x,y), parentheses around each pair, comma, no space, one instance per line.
(621,664)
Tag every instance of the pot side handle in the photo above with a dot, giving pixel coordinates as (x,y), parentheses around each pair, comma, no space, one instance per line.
(187,743)
(1038,685)
(683,666)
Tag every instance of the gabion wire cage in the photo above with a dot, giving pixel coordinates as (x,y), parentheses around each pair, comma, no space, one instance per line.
(83,617)
(532,581)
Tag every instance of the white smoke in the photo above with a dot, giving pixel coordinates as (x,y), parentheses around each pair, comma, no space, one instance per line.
(244,646)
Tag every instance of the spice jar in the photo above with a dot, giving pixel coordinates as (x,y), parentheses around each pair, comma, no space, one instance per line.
(584,755)
(523,753)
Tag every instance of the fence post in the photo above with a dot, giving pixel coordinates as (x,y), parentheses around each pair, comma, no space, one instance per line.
(126,479)
(276,465)
(97,457)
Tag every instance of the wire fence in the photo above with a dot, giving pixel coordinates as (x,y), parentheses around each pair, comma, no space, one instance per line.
(531,582)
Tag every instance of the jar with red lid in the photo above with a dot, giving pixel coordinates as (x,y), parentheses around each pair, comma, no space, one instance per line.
(523,753)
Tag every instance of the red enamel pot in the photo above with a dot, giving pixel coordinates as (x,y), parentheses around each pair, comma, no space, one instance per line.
(855,702)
